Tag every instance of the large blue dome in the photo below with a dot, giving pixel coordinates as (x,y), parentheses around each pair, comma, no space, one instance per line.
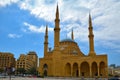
(67,40)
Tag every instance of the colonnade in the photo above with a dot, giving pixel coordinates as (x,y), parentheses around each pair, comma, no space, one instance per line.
(86,70)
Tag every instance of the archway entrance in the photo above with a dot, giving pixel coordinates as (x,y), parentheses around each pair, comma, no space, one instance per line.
(102,69)
(75,70)
(94,69)
(68,70)
(85,69)
(45,70)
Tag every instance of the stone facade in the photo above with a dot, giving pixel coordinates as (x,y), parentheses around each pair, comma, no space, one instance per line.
(27,61)
(6,60)
(67,60)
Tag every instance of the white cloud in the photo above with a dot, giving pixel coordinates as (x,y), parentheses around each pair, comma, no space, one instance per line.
(14,35)
(103,13)
(36,29)
(7,2)
(80,33)
(74,14)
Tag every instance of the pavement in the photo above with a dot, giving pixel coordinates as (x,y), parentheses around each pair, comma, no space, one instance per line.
(49,78)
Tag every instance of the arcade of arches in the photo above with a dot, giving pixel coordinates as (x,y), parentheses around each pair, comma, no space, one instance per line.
(86,70)
(83,69)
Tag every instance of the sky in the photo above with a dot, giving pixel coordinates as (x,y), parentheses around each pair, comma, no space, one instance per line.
(22,25)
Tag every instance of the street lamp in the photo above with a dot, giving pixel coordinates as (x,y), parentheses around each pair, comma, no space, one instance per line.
(10,69)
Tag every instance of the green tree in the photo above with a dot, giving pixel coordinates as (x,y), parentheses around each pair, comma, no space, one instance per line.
(21,70)
(32,71)
(1,70)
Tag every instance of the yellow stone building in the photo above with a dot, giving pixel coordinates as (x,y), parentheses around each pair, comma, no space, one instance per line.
(20,63)
(27,61)
(6,60)
(67,60)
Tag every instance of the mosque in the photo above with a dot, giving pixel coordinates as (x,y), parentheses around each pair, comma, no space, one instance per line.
(67,60)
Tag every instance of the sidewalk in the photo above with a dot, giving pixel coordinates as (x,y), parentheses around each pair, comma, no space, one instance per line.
(49,78)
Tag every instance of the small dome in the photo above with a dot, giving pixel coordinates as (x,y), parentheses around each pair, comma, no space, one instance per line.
(67,40)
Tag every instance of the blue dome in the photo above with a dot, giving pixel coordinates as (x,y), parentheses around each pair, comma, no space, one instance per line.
(67,40)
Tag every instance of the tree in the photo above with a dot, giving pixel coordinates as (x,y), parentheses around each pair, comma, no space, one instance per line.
(1,70)
(32,71)
(21,70)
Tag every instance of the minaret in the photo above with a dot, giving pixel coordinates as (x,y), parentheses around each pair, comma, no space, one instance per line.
(91,38)
(56,29)
(46,42)
(72,35)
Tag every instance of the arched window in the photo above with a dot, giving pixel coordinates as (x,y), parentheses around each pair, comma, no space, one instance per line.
(45,66)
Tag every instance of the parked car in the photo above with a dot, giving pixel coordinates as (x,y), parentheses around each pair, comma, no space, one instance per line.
(114,78)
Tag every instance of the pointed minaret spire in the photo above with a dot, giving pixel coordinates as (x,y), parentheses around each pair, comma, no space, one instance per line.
(46,41)
(46,31)
(90,20)
(57,12)
(72,35)
(91,38)
(57,29)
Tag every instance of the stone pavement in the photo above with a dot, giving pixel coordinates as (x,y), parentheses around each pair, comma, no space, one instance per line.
(48,78)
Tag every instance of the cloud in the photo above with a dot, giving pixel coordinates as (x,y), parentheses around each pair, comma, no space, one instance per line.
(14,35)
(80,33)
(36,29)
(7,2)
(74,14)
(104,14)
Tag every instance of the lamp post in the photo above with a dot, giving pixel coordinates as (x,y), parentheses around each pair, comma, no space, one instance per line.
(9,70)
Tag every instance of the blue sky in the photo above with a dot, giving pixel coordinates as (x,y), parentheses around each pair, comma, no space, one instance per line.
(22,25)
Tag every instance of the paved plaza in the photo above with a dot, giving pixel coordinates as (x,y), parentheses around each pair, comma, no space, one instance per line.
(48,78)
